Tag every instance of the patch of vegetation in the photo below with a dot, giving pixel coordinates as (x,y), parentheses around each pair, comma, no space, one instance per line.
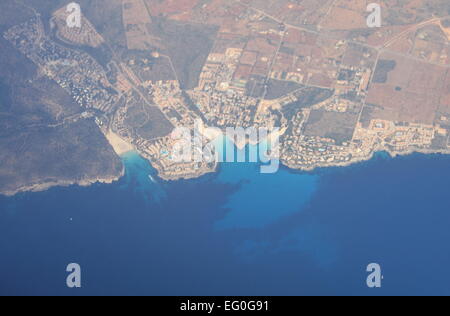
(68,153)
(277,88)
(306,98)
(439,142)
(333,125)
(446,23)
(147,122)
(384,67)
(346,75)
(188,46)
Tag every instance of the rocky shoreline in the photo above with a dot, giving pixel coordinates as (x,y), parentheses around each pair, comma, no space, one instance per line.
(392,154)
(44,186)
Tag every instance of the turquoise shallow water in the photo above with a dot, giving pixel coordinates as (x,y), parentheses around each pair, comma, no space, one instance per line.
(263,198)
(236,232)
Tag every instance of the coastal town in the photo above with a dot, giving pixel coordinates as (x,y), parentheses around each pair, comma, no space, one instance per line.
(339,95)
(246,148)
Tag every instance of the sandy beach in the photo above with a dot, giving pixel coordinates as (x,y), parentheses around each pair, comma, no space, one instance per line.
(119,145)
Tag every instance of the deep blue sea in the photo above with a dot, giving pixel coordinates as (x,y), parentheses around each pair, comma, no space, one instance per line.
(236,232)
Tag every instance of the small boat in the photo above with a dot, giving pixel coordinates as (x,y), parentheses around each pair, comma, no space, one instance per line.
(152,179)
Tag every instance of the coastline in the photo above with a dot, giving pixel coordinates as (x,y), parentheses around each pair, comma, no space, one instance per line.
(40,187)
(44,186)
(309,169)
(392,154)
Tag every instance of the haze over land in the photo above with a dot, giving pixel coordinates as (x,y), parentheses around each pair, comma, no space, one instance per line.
(137,69)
